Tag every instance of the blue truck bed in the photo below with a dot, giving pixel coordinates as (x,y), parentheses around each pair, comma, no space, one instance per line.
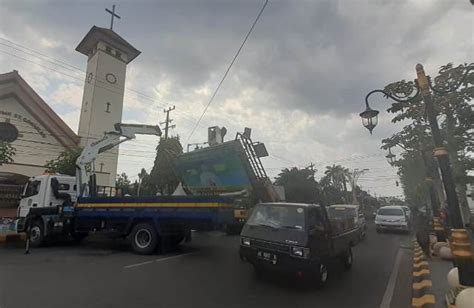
(197,212)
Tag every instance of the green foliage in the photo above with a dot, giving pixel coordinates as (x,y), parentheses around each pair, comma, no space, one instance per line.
(7,151)
(65,163)
(299,184)
(162,177)
(123,184)
(456,121)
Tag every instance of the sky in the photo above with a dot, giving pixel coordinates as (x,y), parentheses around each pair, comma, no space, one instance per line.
(299,82)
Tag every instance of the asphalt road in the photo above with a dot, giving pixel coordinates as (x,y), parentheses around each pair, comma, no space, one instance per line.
(204,273)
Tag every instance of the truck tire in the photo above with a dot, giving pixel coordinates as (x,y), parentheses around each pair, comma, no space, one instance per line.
(347,259)
(321,275)
(36,233)
(144,238)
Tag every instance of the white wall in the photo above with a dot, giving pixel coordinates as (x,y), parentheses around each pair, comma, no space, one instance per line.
(35,145)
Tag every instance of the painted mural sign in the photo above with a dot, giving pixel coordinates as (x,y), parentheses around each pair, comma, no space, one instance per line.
(220,169)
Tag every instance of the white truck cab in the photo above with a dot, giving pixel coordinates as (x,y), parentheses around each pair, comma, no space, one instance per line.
(38,192)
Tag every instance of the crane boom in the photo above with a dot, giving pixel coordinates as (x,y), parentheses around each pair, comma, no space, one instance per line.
(109,141)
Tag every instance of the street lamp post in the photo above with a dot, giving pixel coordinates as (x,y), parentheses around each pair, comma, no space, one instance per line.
(422,86)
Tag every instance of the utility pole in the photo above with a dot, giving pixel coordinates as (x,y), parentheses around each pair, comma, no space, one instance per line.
(168,121)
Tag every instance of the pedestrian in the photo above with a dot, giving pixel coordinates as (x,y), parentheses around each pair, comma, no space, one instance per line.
(422,229)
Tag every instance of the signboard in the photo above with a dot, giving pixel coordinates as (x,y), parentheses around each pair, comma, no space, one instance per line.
(216,169)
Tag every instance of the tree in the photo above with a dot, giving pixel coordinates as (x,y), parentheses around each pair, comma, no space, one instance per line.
(141,176)
(122,183)
(337,177)
(65,163)
(299,184)
(162,176)
(455,115)
(7,151)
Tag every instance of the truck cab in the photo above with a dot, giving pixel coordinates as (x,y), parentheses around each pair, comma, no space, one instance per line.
(39,193)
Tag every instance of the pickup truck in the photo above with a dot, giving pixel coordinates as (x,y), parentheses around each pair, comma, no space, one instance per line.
(297,239)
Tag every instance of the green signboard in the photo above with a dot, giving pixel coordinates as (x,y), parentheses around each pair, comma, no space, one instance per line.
(220,168)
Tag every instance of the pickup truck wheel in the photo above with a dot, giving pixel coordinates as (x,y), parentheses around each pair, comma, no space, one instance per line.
(36,233)
(321,275)
(347,259)
(144,238)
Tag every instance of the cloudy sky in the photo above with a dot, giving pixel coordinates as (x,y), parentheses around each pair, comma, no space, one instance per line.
(299,82)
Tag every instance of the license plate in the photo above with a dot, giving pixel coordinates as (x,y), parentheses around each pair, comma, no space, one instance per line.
(267,256)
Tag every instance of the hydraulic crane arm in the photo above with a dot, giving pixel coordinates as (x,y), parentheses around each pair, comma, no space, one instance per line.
(109,141)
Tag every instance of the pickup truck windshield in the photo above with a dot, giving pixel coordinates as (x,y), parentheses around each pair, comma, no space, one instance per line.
(290,217)
(390,212)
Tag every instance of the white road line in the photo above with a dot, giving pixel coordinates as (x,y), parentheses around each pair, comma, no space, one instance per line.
(174,257)
(157,260)
(387,297)
(138,264)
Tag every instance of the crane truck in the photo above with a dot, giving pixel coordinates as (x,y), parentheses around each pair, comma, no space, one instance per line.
(64,205)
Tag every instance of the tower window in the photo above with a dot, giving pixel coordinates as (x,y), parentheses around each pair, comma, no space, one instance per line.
(118,54)
(107,108)
(108,49)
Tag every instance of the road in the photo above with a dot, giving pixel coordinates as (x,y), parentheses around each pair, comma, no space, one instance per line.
(204,273)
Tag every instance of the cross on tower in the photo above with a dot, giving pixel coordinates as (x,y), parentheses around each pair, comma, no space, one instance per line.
(112,13)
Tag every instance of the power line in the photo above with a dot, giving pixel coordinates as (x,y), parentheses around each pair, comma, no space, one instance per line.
(228,69)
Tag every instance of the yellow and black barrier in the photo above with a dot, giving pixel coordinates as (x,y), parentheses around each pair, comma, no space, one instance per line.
(422,297)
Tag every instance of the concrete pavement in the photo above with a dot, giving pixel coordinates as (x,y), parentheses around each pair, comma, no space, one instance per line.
(204,273)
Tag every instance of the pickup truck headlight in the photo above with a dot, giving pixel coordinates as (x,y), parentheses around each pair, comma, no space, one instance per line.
(300,252)
(245,241)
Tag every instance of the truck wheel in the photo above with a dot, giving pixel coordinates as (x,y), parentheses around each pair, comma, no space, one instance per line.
(321,275)
(144,238)
(347,259)
(36,233)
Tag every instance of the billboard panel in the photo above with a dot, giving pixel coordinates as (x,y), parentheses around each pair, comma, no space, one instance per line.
(220,168)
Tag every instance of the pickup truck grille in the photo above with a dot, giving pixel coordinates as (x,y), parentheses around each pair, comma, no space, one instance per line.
(270,246)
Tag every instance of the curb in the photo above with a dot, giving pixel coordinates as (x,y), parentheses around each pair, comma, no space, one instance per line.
(422,297)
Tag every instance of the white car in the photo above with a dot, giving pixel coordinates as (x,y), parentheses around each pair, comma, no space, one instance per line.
(391,218)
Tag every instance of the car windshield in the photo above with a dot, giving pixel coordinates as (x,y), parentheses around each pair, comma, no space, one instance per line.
(341,212)
(277,216)
(390,212)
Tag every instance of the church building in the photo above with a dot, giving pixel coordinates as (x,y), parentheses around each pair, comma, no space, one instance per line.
(38,134)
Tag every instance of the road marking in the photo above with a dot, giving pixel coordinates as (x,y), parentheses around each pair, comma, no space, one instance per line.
(387,297)
(174,257)
(424,300)
(421,273)
(138,264)
(422,284)
(158,260)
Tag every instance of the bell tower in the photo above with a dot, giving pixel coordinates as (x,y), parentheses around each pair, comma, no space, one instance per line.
(102,103)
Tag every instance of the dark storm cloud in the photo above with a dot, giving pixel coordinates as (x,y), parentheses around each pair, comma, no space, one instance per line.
(298,82)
